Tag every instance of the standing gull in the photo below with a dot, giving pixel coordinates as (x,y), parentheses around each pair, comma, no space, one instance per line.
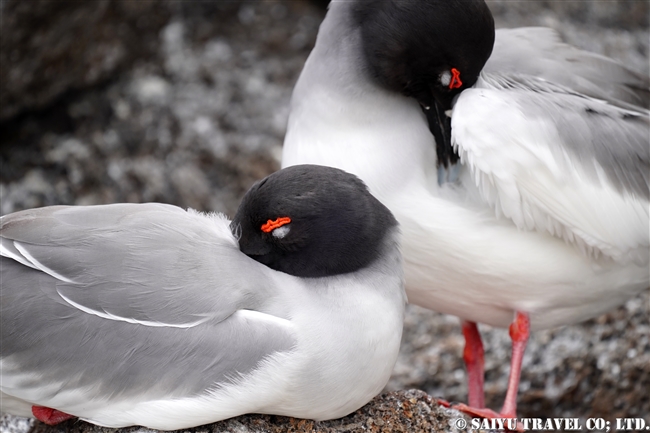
(152,315)
(516,165)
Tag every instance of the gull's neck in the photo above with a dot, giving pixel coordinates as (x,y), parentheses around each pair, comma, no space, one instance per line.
(342,118)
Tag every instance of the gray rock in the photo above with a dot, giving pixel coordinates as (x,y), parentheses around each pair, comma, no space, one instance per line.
(48,48)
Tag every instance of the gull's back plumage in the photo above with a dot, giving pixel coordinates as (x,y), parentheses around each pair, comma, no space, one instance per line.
(558,162)
(539,52)
(139,278)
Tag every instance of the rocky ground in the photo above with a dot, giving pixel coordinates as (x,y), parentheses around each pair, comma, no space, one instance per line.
(186,103)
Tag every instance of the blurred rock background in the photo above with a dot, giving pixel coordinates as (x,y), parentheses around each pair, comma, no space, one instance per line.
(186,103)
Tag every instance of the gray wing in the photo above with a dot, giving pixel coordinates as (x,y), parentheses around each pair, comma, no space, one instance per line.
(538,51)
(596,136)
(556,161)
(128,300)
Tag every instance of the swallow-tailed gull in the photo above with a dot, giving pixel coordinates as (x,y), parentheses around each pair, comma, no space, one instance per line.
(531,208)
(147,314)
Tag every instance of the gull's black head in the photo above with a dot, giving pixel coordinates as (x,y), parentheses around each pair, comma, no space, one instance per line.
(312,221)
(430,50)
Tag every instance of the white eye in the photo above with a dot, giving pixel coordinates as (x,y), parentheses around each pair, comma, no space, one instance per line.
(445,78)
(281,232)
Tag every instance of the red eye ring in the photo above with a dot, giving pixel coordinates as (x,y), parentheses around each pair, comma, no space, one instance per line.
(455,82)
(274,224)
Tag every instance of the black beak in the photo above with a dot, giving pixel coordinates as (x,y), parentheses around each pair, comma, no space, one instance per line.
(440,127)
(250,242)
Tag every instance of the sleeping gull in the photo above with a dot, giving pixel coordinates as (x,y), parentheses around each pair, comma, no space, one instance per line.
(147,314)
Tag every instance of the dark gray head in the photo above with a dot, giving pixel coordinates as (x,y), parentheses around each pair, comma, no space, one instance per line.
(414,46)
(312,221)
(430,50)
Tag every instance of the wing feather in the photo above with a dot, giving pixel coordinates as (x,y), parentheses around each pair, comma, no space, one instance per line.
(555,161)
(137,301)
(539,52)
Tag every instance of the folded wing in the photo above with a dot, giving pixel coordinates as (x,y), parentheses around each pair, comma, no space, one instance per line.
(539,52)
(146,301)
(556,161)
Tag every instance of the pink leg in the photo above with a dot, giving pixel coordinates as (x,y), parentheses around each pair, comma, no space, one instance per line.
(519,332)
(50,416)
(474,362)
